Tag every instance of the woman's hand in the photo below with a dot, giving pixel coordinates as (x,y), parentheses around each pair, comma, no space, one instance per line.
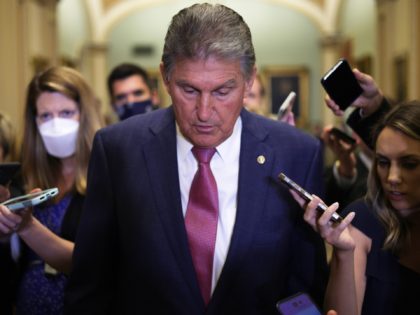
(343,151)
(335,234)
(369,101)
(4,193)
(9,221)
(15,221)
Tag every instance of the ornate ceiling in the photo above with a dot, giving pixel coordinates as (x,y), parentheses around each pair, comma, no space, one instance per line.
(104,14)
(108,4)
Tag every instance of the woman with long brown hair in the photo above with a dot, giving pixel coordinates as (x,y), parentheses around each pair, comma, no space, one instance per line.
(61,118)
(375,267)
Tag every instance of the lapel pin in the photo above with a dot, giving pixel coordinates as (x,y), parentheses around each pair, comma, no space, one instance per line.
(261,159)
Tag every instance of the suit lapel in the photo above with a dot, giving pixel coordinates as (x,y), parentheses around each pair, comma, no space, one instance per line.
(256,163)
(161,159)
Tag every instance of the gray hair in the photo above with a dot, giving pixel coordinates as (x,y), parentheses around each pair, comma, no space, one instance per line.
(204,30)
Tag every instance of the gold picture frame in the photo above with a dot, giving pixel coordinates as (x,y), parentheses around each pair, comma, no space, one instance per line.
(280,81)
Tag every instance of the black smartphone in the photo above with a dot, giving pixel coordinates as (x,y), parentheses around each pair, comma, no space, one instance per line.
(341,84)
(298,304)
(307,196)
(342,136)
(8,171)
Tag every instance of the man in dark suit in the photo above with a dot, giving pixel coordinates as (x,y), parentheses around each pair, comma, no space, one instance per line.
(136,252)
(131,91)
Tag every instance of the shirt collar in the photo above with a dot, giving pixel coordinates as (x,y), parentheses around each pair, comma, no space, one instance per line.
(224,150)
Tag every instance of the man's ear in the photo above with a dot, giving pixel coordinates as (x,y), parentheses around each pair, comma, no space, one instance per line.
(164,77)
(250,81)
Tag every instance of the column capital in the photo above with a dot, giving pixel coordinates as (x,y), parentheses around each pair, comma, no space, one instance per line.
(379,2)
(47,2)
(96,46)
(332,40)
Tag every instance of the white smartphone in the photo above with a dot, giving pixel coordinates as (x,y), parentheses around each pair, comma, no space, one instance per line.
(285,105)
(30,200)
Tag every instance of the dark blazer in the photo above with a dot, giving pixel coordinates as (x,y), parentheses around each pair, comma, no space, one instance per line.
(365,126)
(344,196)
(132,255)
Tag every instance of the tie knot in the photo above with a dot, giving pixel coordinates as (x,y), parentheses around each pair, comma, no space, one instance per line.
(203,155)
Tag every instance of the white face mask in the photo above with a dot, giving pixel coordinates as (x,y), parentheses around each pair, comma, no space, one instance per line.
(59,136)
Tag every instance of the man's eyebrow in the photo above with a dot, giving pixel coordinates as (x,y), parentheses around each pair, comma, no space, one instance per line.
(228,83)
(129,92)
(183,82)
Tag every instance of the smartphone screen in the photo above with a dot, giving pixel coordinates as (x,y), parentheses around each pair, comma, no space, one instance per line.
(341,84)
(299,304)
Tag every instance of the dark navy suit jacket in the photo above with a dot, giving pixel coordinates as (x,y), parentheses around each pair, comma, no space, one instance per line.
(132,255)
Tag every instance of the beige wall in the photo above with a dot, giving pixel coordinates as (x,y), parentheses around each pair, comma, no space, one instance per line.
(398,44)
(11,75)
(27,36)
(28,32)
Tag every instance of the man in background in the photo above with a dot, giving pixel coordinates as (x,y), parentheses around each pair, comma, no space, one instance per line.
(131,91)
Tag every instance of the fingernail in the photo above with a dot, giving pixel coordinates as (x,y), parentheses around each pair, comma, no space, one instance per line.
(351,216)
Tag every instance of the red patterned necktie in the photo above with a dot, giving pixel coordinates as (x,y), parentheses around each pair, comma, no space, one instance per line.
(201,219)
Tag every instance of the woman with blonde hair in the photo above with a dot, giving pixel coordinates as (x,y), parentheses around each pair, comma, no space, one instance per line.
(61,118)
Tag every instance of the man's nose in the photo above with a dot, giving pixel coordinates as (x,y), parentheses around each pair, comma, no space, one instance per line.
(131,98)
(204,107)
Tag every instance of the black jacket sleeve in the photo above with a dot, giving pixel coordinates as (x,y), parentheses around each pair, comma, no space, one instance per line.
(364,126)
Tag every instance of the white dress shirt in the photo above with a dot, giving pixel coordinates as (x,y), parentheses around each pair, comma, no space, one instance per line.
(225,168)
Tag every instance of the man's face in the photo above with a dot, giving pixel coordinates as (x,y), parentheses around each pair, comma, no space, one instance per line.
(130,90)
(207,96)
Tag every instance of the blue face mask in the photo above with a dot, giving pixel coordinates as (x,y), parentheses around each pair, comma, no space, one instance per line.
(127,110)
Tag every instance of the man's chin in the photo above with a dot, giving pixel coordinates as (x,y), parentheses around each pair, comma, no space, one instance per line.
(206,140)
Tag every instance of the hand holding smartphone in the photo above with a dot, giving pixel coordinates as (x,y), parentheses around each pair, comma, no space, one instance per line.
(29,200)
(307,196)
(341,84)
(288,103)
(342,136)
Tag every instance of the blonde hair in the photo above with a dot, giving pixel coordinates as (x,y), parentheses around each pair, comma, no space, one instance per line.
(39,169)
(404,118)
(7,138)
